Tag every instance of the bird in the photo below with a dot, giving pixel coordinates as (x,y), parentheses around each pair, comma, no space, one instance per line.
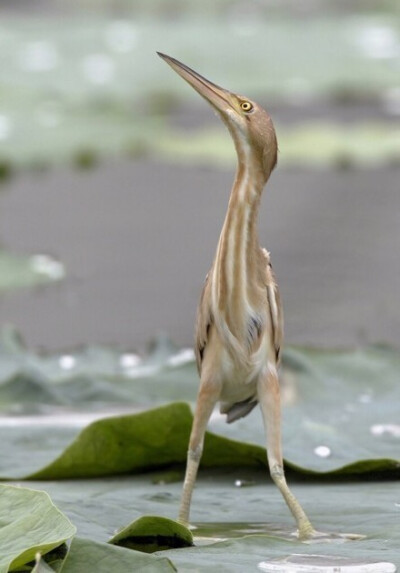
(239,325)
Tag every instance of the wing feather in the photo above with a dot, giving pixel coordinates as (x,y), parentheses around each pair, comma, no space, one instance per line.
(275,307)
(204,321)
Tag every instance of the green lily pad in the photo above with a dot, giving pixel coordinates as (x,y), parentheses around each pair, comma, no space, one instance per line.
(340,403)
(158,438)
(251,553)
(86,555)
(227,519)
(152,533)
(29,524)
(136,443)
(340,415)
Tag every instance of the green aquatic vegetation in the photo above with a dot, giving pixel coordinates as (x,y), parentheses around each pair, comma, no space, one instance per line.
(158,439)
(234,527)
(359,428)
(6,170)
(309,145)
(85,555)
(152,533)
(75,91)
(340,441)
(30,524)
(19,271)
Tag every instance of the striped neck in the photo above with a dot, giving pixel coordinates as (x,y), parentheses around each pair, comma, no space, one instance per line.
(236,271)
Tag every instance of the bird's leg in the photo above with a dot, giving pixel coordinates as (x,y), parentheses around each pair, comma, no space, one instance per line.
(207,398)
(269,398)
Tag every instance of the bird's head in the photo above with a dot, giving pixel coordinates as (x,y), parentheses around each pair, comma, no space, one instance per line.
(249,124)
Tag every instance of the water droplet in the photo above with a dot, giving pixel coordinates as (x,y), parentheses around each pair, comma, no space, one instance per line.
(5,127)
(381,429)
(128,361)
(322,451)
(67,362)
(98,68)
(243,483)
(48,266)
(121,37)
(40,56)
(184,356)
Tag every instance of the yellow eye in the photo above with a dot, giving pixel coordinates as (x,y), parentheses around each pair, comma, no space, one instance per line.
(246,106)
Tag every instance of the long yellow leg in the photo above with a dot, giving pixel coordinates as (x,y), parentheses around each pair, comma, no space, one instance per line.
(269,398)
(207,398)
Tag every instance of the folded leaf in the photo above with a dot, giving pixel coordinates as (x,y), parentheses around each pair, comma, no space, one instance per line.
(29,524)
(85,556)
(158,438)
(152,533)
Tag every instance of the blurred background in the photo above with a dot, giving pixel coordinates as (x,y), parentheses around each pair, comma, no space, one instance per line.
(115,175)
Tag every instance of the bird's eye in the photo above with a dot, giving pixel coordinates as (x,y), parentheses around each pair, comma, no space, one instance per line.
(246,106)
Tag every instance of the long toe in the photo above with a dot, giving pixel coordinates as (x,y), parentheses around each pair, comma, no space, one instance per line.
(322,537)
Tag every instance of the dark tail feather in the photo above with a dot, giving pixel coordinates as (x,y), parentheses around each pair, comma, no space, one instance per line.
(240,410)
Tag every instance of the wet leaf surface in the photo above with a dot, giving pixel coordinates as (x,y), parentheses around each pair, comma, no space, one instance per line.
(86,555)
(340,437)
(151,533)
(29,524)
(237,528)
(338,419)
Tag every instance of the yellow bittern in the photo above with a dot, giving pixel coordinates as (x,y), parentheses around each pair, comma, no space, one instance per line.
(239,326)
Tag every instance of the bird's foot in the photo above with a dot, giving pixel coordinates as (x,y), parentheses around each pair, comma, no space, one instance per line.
(313,536)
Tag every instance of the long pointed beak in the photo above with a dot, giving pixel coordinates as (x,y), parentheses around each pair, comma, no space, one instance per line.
(218,97)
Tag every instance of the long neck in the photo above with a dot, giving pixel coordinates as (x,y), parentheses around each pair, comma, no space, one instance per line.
(236,271)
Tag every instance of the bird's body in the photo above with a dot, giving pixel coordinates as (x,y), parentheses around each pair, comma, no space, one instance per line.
(239,327)
(239,323)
